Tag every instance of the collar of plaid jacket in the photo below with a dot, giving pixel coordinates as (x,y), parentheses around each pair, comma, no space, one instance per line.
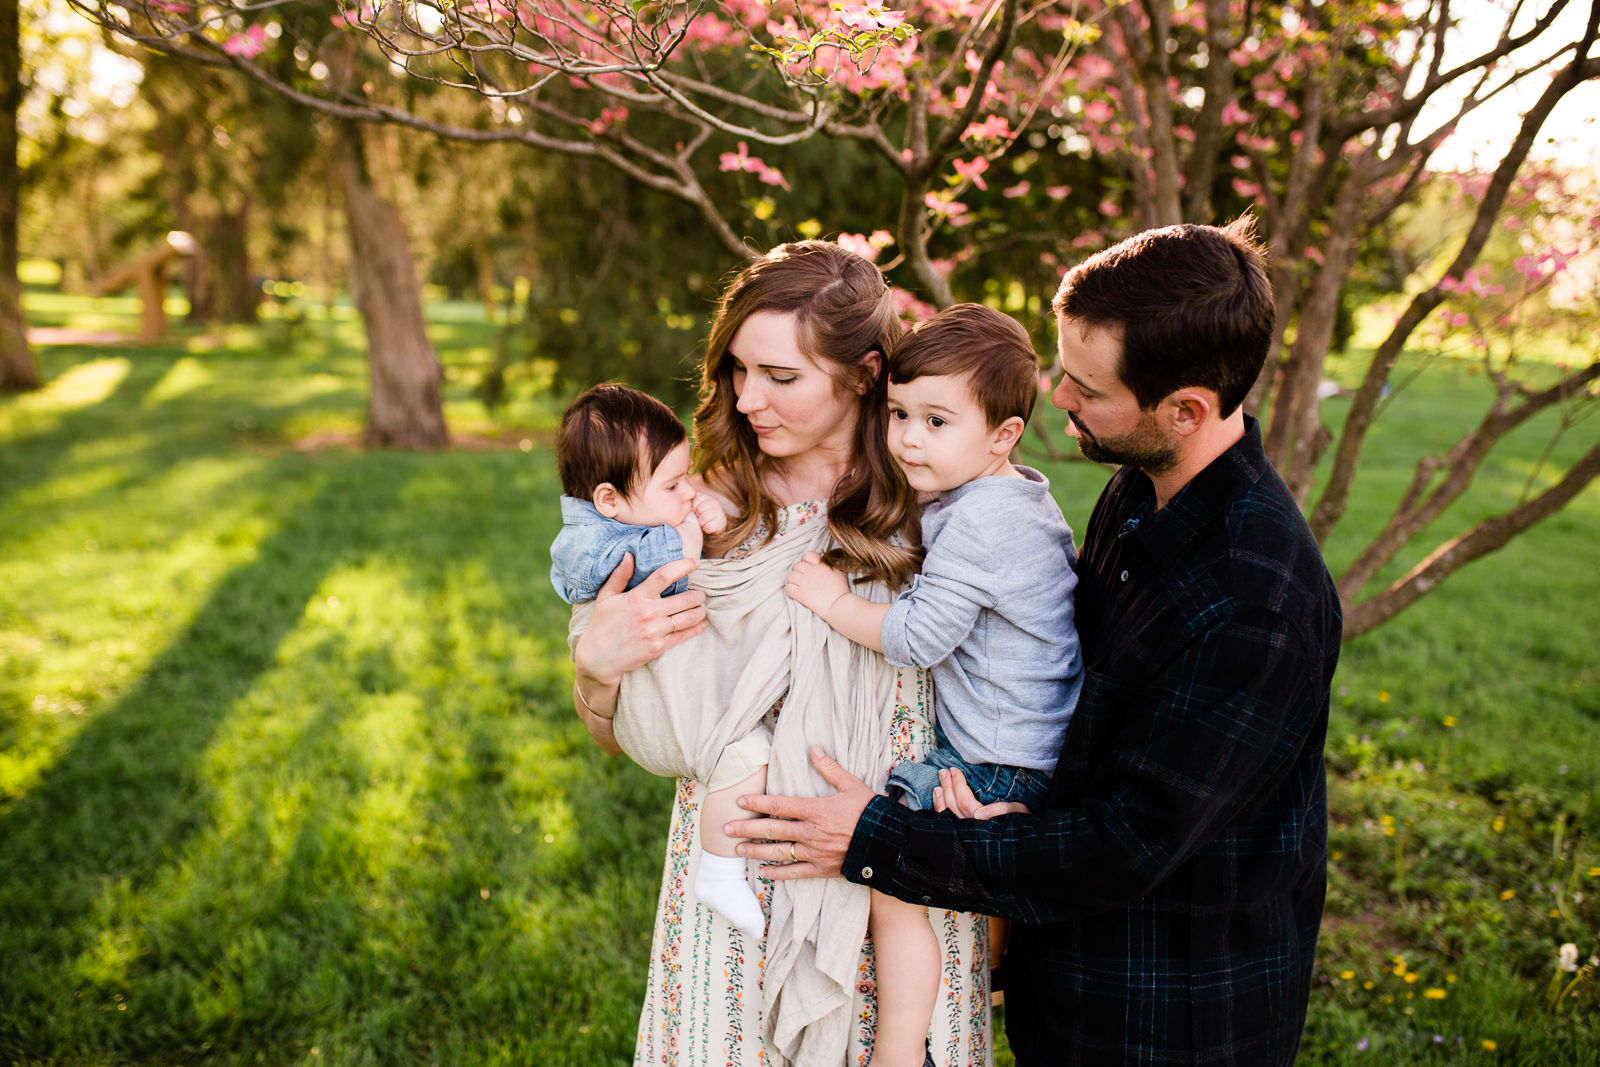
(1206,496)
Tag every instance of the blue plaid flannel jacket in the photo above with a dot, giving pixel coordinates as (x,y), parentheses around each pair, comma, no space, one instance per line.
(1168,900)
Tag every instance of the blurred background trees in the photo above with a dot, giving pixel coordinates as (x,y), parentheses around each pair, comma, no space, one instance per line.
(589,172)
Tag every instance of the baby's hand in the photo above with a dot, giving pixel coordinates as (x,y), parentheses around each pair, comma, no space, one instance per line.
(815,584)
(713,520)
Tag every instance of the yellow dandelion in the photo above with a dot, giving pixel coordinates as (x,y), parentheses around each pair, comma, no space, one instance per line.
(1399,968)
(1388,831)
(1594,872)
(1387,820)
(1412,977)
(1383,696)
(1449,978)
(1499,825)
(1434,994)
(1347,975)
(1489,1045)
(1554,914)
(1449,720)
(1508,894)
(1337,856)
(1368,984)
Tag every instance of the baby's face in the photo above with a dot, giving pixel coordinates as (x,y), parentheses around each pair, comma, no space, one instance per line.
(666,496)
(938,433)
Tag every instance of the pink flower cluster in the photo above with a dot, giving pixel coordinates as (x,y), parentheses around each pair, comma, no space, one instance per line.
(1548,265)
(866,247)
(1472,283)
(607,117)
(870,17)
(744,161)
(249,44)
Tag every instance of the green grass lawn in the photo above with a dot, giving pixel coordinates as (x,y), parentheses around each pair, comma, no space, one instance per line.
(288,772)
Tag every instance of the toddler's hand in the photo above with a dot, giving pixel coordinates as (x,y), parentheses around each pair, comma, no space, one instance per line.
(815,584)
(713,520)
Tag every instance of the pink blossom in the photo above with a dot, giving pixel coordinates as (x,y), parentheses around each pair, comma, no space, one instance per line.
(1314,254)
(940,206)
(881,239)
(909,307)
(1183,133)
(1241,162)
(1511,222)
(1234,115)
(1057,192)
(858,243)
(249,44)
(1087,240)
(1097,111)
(1019,189)
(1246,189)
(1109,209)
(973,171)
(742,160)
(873,17)
(993,128)
(607,117)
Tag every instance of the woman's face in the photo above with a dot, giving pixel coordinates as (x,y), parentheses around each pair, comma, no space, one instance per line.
(793,404)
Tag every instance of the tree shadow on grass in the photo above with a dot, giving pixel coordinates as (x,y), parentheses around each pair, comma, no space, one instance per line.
(446,928)
(127,795)
(31,458)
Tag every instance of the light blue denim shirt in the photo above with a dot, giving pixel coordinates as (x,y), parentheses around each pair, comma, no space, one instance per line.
(991,614)
(590,546)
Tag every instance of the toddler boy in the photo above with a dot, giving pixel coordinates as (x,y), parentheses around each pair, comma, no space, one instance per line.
(991,613)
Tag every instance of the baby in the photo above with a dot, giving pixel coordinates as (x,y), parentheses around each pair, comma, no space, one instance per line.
(624,462)
(991,613)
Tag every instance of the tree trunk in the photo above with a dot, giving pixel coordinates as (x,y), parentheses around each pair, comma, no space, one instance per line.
(406,409)
(17,371)
(223,290)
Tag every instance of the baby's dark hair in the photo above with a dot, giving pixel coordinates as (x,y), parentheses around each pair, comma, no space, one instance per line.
(991,350)
(606,433)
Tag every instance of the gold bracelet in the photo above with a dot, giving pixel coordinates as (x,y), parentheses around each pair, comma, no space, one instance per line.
(576,688)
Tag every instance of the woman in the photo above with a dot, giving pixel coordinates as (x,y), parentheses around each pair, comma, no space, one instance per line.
(790,432)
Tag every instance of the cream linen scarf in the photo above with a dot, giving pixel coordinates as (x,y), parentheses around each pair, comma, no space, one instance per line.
(697,711)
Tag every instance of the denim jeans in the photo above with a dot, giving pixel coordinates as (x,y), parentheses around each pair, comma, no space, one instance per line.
(990,782)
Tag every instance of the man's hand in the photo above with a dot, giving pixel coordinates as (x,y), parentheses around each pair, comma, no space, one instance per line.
(816,585)
(805,837)
(713,520)
(954,794)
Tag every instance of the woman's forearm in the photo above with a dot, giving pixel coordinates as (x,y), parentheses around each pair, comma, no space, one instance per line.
(596,704)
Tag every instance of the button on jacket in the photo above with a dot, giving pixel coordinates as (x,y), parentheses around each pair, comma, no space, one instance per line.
(1170,896)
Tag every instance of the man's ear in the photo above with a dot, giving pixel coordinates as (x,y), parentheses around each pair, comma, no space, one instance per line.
(871,367)
(606,500)
(1005,437)
(1188,409)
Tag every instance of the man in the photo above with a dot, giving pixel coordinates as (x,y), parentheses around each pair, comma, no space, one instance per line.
(1167,900)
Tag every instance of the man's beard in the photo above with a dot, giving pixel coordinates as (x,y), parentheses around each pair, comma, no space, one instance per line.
(1144,448)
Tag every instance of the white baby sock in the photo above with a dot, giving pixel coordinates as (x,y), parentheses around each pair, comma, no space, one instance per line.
(721,886)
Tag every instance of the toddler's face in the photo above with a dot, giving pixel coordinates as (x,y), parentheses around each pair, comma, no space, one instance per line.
(939,434)
(666,496)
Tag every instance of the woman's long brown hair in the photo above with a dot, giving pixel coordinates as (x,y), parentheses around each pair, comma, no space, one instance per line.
(843,312)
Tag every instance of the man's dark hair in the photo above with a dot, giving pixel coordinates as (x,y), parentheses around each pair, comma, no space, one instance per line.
(615,434)
(992,351)
(1192,303)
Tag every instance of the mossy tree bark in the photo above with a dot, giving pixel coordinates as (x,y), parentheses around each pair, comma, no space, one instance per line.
(17,371)
(406,410)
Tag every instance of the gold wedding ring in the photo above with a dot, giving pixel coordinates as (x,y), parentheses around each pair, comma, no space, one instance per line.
(792,857)
(674,619)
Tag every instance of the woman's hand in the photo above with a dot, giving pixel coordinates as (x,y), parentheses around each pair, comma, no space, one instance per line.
(629,629)
(954,794)
(816,585)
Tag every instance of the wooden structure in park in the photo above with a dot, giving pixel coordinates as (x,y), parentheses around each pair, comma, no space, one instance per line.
(149,272)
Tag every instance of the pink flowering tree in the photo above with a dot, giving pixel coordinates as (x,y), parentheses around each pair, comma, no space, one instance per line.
(662,89)
(1047,126)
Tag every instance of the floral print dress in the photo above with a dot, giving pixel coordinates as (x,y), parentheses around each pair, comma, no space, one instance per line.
(703,1003)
